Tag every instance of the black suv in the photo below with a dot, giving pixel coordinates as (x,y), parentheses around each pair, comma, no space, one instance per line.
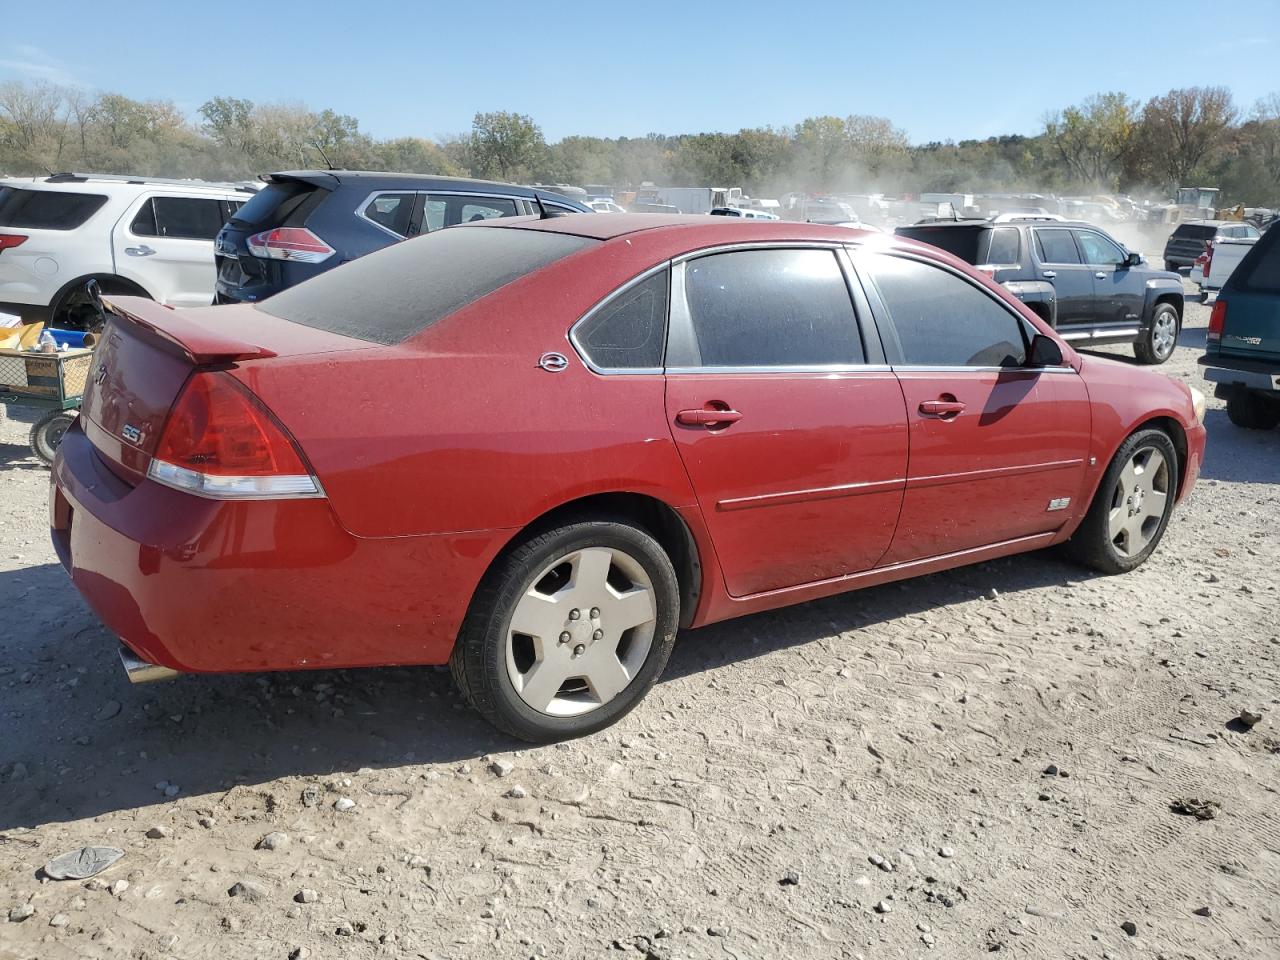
(1078,279)
(307,221)
(1188,239)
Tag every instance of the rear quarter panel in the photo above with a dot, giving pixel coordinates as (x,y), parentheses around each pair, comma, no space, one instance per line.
(459,429)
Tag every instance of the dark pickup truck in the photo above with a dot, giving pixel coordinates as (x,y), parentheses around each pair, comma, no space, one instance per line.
(1084,283)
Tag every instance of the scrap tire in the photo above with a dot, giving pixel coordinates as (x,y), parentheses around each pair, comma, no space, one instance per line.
(1252,412)
(47,434)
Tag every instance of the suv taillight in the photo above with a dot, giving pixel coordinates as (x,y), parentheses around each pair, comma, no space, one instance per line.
(289,243)
(1217,320)
(8,240)
(221,442)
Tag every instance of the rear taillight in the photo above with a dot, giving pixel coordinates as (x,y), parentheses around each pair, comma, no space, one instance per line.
(221,442)
(289,243)
(8,240)
(1217,320)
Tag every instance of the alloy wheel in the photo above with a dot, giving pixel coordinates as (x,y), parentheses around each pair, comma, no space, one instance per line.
(581,632)
(1139,501)
(1164,333)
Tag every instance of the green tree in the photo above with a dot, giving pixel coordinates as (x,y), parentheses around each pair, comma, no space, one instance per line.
(1094,139)
(505,146)
(1182,132)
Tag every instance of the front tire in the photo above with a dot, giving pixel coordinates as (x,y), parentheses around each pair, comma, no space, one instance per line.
(1131,509)
(1157,343)
(568,630)
(1252,412)
(47,433)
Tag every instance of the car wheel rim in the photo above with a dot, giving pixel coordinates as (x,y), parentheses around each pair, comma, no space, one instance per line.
(581,631)
(1165,334)
(1139,501)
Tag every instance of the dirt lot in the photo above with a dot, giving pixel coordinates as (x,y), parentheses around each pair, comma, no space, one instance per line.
(741,812)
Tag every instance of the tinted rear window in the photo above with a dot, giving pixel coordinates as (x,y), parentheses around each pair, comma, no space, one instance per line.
(1261,271)
(277,205)
(1195,231)
(961,242)
(46,209)
(388,296)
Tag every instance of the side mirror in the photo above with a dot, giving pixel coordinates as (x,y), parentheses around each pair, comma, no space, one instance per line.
(1045,352)
(1133,260)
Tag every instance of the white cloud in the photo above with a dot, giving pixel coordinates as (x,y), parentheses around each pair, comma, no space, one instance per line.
(32,63)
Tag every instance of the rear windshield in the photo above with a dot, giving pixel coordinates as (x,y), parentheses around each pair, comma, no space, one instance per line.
(401,290)
(46,209)
(1262,266)
(278,205)
(1195,231)
(962,243)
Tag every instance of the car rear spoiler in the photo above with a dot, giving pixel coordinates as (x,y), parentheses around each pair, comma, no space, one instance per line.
(201,343)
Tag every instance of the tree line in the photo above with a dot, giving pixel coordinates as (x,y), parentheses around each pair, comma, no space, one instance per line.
(1194,136)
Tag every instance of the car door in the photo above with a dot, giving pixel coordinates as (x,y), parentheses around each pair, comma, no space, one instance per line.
(164,243)
(795,444)
(1120,293)
(1060,263)
(997,449)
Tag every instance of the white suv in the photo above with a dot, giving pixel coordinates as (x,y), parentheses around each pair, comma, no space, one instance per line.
(152,238)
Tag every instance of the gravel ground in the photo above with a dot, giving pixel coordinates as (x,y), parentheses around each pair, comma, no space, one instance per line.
(981,760)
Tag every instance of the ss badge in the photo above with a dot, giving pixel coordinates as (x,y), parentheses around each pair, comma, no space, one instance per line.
(131,433)
(1059,503)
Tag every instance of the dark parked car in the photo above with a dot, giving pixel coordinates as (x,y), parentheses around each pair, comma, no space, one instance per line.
(1086,285)
(1190,239)
(1242,354)
(305,222)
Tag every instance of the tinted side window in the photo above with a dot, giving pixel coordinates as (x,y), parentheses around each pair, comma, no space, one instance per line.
(391,211)
(942,320)
(768,308)
(1056,246)
(628,332)
(1005,246)
(1098,249)
(186,218)
(46,209)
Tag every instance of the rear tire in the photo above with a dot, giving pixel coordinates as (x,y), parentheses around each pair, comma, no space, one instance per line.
(47,433)
(1252,412)
(1158,341)
(599,603)
(1131,508)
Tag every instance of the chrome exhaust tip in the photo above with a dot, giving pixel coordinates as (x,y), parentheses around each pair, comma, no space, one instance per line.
(141,671)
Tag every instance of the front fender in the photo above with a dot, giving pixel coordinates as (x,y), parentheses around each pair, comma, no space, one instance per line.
(1160,289)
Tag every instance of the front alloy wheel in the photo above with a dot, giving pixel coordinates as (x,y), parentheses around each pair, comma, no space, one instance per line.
(1131,508)
(568,630)
(1157,343)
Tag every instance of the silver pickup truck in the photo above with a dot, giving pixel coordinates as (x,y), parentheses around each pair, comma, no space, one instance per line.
(1213,266)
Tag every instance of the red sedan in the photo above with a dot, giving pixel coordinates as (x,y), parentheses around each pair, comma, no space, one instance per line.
(535,449)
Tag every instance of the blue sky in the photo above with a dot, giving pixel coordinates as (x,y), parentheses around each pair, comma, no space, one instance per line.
(938,70)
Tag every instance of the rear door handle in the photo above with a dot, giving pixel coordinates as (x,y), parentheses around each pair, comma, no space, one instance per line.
(139,251)
(942,408)
(1100,275)
(1050,274)
(706,418)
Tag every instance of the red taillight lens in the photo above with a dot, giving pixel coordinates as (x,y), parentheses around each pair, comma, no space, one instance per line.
(289,243)
(220,441)
(8,240)
(1217,320)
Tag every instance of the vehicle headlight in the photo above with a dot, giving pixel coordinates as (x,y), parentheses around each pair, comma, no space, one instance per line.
(1197,403)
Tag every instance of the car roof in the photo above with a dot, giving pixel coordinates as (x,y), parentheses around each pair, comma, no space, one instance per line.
(609,226)
(96,181)
(374,177)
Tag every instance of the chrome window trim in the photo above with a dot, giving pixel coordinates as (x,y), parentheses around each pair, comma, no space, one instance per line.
(922,368)
(758,245)
(600,305)
(370,198)
(821,368)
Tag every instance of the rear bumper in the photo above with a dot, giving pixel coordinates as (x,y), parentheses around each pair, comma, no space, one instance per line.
(205,586)
(1248,374)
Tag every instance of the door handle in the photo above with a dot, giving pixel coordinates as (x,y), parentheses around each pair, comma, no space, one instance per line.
(139,251)
(1050,274)
(946,409)
(707,418)
(1100,275)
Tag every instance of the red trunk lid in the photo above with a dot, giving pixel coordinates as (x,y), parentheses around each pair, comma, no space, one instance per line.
(148,351)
